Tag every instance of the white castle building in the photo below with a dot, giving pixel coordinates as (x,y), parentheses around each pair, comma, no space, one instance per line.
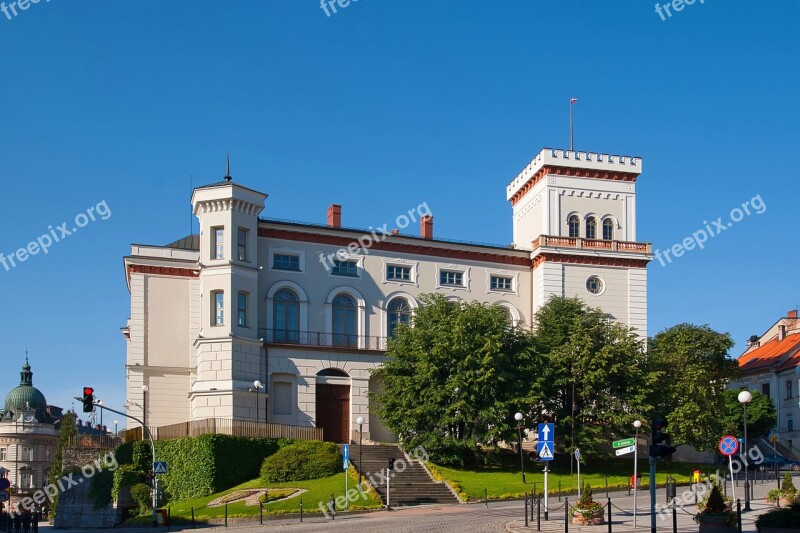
(304,310)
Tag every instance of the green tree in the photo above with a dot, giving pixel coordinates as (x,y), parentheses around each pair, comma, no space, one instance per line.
(68,430)
(456,377)
(695,369)
(761,415)
(597,378)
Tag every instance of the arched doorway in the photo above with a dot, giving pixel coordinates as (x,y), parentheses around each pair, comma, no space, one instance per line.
(333,405)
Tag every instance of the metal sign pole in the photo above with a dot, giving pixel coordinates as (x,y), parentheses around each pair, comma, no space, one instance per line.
(546,506)
(635,476)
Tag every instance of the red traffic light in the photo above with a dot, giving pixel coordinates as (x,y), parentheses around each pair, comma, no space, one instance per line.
(88,391)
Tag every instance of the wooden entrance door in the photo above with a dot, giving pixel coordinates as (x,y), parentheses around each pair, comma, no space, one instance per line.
(333,412)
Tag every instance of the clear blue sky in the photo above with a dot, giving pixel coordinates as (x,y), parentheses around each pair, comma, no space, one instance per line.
(379,107)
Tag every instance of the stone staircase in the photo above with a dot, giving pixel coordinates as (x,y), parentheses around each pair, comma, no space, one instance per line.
(412,486)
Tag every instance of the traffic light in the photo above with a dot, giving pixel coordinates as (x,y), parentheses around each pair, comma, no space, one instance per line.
(391,463)
(660,447)
(88,399)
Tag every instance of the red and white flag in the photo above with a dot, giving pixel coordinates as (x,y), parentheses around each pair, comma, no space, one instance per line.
(573,100)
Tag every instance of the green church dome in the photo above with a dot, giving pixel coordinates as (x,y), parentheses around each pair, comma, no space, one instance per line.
(26,395)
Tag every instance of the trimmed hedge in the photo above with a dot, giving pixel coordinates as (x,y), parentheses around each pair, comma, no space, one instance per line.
(201,465)
(302,461)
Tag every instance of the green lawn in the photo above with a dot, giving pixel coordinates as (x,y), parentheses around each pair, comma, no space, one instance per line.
(318,490)
(504,480)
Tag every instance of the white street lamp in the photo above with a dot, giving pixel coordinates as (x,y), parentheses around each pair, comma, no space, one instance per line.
(518,417)
(360,421)
(744,398)
(637,424)
(258,385)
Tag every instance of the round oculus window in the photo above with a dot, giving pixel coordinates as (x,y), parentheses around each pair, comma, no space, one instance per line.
(595,285)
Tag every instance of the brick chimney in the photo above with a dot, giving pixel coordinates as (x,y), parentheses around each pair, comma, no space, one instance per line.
(426,227)
(335,216)
(792,313)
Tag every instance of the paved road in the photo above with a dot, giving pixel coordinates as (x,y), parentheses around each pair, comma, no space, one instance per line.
(497,517)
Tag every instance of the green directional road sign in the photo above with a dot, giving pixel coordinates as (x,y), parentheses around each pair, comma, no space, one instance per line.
(622,443)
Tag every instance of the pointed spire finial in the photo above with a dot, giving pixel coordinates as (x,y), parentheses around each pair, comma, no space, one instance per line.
(228,168)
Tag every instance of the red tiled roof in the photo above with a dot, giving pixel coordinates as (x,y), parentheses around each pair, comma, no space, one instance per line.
(781,354)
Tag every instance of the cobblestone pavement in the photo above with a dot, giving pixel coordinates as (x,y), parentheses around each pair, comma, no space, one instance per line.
(497,517)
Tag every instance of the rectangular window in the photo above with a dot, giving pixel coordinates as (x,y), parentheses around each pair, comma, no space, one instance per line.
(242,310)
(27,454)
(218,299)
(765,389)
(286,262)
(3,454)
(26,479)
(788,389)
(451,278)
(282,394)
(789,424)
(501,283)
(217,243)
(241,245)
(345,268)
(398,273)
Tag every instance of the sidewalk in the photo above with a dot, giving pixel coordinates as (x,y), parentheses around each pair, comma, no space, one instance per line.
(622,514)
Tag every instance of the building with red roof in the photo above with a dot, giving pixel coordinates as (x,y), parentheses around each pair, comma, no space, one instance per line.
(771,366)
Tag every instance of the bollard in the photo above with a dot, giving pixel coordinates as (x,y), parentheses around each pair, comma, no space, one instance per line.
(532,498)
(538,514)
(606,486)
(739,515)
(193,524)
(526,509)
(226,515)
(261,513)
(486,497)
(609,515)
(674,517)
(535,484)
(301,509)
(566,515)
(169,516)
(559,490)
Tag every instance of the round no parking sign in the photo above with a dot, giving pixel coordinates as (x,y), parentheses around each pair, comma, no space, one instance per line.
(728,445)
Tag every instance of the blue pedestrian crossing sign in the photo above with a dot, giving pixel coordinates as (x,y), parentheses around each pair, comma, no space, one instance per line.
(160,467)
(546,432)
(545,450)
(346,455)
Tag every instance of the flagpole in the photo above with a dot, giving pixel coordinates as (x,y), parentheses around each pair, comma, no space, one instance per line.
(572,101)
(570,126)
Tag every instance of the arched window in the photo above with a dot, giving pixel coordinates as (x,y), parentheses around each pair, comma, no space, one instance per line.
(591,228)
(507,313)
(399,312)
(608,230)
(345,325)
(574,226)
(286,316)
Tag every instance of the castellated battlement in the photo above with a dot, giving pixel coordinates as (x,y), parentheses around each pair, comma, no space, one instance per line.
(572,159)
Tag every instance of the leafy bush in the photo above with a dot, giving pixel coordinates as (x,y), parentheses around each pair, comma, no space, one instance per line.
(197,466)
(100,488)
(143,497)
(787,518)
(125,476)
(448,451)
(787,487)
(302,461)
(716,506)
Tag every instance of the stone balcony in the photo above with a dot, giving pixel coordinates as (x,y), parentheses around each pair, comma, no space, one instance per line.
(578,243)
